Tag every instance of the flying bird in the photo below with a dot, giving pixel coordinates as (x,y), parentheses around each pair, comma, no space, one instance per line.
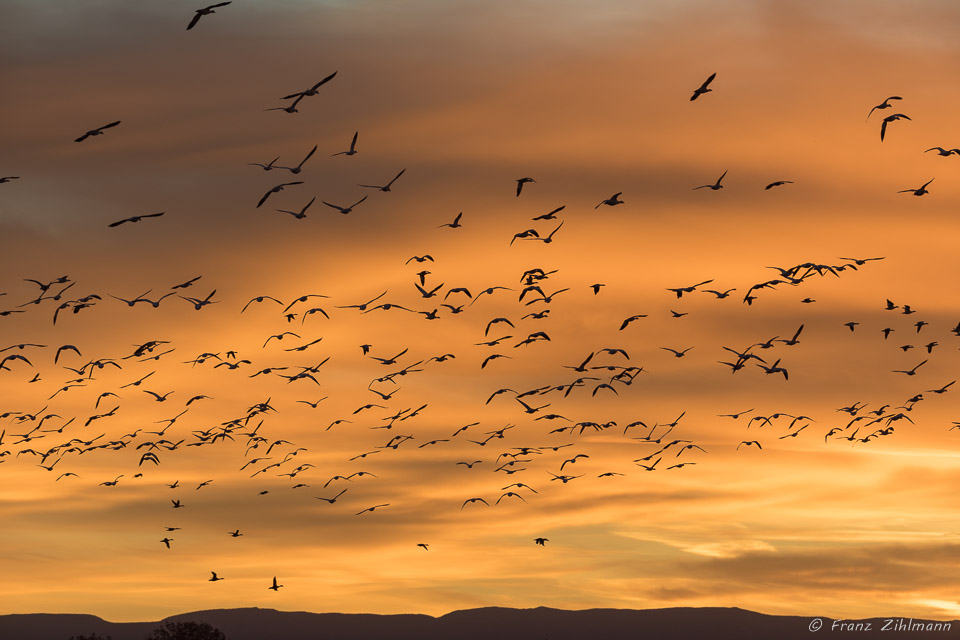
(455,224)
(883,105)
(612,200)
(276,189)
(715,186)
(344,210)
(96,132)
(297,169)
(889,119)
(918,192)
(385,187)
(135,219)
(376,506)
(521,182)
(312,91)
(266,167)
(353,147)
(299,215)
(913,371)
(702,89)
(205,12)
(778,183)
(944,152)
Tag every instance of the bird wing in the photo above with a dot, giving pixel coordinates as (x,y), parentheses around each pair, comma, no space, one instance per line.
(324,81)
(264,198)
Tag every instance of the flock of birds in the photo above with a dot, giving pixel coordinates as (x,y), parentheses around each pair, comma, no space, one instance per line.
(52,442)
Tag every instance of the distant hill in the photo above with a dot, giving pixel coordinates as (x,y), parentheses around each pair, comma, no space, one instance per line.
(477,624)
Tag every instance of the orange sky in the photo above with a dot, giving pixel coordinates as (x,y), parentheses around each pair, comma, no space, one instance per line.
(467,98)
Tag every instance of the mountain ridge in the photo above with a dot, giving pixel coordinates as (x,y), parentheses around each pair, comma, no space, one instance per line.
(538,623)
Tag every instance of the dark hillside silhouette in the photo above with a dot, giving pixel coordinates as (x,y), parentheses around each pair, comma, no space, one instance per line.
(474,624)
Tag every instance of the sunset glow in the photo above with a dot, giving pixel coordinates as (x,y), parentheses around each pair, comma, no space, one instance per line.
(467,98)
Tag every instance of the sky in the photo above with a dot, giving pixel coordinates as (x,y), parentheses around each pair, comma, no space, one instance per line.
(824,517)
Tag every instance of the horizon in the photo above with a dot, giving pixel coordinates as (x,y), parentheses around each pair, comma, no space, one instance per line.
(462,102)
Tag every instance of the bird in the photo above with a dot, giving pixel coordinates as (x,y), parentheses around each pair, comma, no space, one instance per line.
(775,368)
(424,545)
(889,119)
(942,389)
(353,147)
(4,179)
(290,108)
(883,105)
(97,132)
(702,89)
(794,340)
(552,215)
(344,210)
(275,586)
(778,183)
(312,91)
(455,224)
(471,500)
(266,167)
(612,200)
(627,322)
(541,541)
(297,169)
(276,189)
(259,299)
(918,192)
(913,371)
(734,415)
(333,499)
(748,443)
(678,354)
(521,182)
(135,219)
(715,186)
(682,290)
(549,238)
(167,541)
(299,215)
(862,261)
(944,152)
(205,12)
(214,577)
(385,187)
(376,506)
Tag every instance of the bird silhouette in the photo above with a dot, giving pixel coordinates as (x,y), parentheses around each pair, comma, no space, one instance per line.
(702,89)
(206,11)
(97,132)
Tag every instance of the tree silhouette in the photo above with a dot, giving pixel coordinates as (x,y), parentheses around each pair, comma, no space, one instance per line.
(186,631)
